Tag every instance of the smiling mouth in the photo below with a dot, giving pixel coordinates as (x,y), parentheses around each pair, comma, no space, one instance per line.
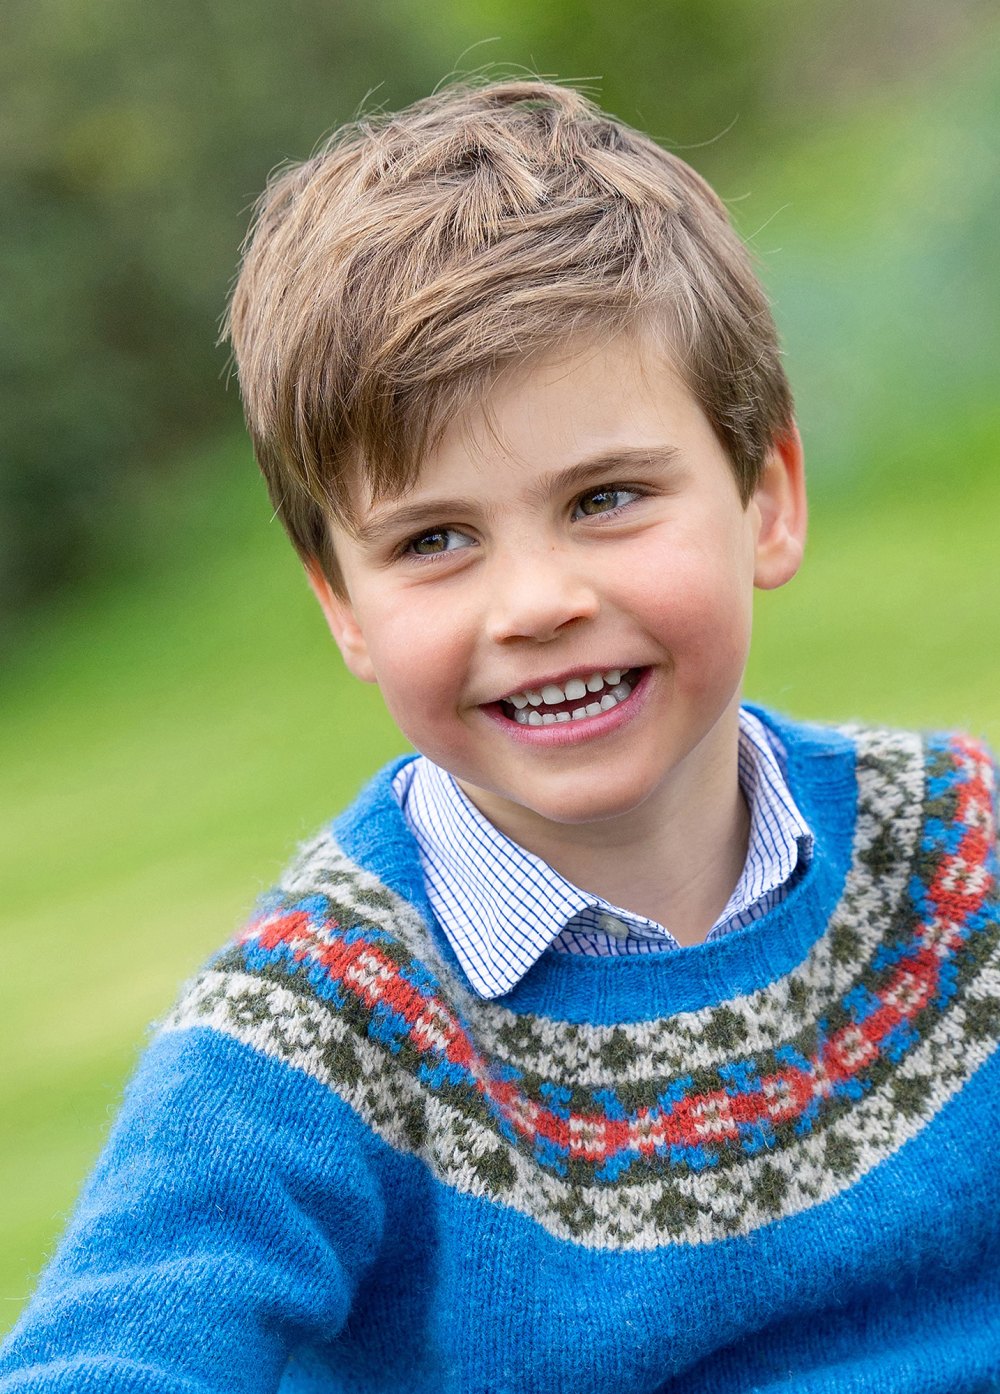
(576,700)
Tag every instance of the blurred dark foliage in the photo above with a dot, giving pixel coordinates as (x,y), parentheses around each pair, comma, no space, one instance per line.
(135,139)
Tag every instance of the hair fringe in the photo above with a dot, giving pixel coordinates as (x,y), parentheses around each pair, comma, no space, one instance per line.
(388,280)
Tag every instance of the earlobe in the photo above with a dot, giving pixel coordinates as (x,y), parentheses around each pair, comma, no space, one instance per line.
(343,625)
(781,502)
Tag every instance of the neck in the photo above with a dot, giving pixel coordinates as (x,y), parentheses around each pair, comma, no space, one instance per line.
(676,859)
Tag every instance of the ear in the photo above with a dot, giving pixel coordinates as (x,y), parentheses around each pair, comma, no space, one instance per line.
(781,502)
(344,627)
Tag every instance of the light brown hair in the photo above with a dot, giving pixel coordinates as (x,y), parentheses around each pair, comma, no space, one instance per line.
(388,280)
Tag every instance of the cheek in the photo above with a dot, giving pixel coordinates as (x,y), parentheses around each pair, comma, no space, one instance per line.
(704,622)
(419,670)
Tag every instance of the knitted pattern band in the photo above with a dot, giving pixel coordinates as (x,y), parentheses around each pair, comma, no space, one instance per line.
(689,1128)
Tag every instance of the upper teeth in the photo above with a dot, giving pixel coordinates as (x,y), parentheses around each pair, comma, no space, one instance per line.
(552,694)
(609,684)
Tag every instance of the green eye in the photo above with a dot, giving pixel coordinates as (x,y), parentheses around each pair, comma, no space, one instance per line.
(432,544)
(604,501)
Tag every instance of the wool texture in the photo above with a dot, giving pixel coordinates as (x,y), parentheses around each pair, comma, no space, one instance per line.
(763,1163)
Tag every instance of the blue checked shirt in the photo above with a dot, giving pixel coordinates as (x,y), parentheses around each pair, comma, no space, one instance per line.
(502,907)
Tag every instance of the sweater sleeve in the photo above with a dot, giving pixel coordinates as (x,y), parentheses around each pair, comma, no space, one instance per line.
(230,1218)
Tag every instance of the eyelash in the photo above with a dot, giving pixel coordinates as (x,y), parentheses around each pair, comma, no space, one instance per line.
(407,548)
(629,489)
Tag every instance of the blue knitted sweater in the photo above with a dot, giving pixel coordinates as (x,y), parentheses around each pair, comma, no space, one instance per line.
(763,1163)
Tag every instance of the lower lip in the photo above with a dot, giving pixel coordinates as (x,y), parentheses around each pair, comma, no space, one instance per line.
(584,728)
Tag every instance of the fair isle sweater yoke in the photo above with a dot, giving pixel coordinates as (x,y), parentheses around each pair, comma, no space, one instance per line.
(764,1163)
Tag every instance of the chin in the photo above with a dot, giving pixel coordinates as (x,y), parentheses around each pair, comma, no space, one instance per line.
(572,810)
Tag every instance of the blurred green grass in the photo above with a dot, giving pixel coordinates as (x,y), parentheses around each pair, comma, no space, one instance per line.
(165,744)
(164,747)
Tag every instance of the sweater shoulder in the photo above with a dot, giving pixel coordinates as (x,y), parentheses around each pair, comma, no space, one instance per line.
(868,738)
(337,976)
(893,766)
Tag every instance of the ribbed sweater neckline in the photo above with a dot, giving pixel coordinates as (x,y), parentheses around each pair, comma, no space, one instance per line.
(820,767)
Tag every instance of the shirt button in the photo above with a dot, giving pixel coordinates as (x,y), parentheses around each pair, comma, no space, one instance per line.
(612,925)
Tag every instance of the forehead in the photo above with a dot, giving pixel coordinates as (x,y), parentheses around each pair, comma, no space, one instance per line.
(590,400)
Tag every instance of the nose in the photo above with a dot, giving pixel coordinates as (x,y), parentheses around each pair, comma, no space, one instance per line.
(536,594)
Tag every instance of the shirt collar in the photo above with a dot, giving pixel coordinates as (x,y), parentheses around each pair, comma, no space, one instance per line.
(501,906)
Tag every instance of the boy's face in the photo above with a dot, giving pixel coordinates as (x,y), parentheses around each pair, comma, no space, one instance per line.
(590,536)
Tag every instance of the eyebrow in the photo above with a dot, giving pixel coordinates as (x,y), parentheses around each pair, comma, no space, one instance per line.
(409,518)
(603,466)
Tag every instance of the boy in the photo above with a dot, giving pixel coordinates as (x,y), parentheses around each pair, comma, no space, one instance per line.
(624,1039)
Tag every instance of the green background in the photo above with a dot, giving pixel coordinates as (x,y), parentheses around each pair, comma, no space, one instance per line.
(175,717)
